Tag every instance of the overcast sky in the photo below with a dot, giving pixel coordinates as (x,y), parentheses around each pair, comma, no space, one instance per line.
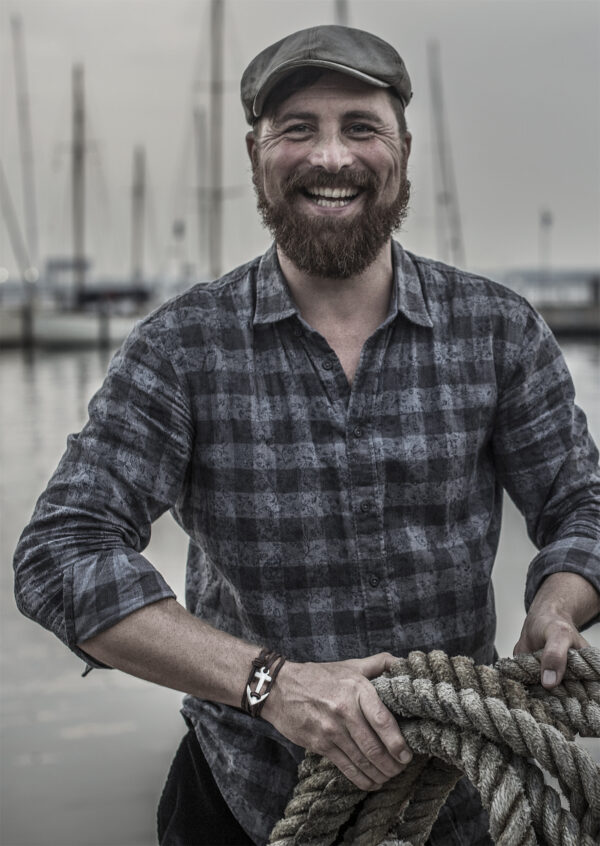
(521,83)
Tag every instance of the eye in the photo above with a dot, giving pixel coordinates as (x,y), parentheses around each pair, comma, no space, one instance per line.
(361,129)
(297,129)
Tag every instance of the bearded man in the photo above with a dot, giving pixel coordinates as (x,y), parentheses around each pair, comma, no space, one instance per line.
(332,425)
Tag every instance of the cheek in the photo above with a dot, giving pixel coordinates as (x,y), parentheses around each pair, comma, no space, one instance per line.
(390,178)
(274,171)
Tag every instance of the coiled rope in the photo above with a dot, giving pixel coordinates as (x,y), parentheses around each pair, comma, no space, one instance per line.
(496,725)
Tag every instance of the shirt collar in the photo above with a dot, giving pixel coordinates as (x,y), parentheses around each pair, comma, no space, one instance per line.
(273,298)
(274,301)
(408,297)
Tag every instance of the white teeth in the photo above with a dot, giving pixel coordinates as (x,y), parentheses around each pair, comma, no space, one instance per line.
(331,204)
(332,193)
(331,197)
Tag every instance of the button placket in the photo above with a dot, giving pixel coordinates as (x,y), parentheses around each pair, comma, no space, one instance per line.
(362,456)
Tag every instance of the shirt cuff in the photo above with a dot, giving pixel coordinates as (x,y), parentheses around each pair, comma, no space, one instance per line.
(569,555)
(101,590)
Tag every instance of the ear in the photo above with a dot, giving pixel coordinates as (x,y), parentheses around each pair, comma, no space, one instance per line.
(251,146)
(407,144)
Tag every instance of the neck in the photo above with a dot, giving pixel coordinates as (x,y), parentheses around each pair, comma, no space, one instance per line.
(362,298)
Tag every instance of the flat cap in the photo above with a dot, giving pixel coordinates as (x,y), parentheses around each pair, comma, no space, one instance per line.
(337,48)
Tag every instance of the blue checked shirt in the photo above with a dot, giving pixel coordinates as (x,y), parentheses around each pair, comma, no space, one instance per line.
(325,521)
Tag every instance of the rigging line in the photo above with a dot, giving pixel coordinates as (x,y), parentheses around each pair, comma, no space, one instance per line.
(158,262)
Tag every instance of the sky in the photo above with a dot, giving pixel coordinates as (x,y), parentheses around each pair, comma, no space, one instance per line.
(521,87)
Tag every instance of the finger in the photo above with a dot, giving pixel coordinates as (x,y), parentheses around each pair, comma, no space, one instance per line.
(554,657)
(522,645)
(375,665)
(370,757)
(353,773)
(351,733)
(385,726)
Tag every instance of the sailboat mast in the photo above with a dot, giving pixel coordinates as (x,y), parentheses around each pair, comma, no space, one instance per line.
(199,117)
(78,181)
(26,145)
(449,229)
(15,235)
(341,12)
(138,203)
(215,217)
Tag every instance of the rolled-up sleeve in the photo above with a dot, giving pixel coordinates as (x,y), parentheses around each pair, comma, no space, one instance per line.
(546,458)
(79,567)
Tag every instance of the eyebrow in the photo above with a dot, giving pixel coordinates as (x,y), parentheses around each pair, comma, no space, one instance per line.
(278,119)
(354,114)
(363,114)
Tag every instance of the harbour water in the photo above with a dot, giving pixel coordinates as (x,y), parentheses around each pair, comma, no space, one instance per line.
(83,760)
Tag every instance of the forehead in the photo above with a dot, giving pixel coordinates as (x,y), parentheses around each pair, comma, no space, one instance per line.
(338,91)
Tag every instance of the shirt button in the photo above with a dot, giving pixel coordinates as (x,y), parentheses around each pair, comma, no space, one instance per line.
(366,505)
(327,364)
(373,581)
(297,331)
(357,432)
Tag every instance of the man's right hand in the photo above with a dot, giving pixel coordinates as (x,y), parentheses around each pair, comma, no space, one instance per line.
(333,709)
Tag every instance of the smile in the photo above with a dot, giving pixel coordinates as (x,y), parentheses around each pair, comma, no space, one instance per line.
(331,197)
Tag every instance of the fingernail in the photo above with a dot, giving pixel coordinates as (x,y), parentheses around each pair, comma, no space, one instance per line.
(549,677)
(405,756)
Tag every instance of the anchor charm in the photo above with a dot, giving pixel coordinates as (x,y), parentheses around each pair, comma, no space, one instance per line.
(254,697)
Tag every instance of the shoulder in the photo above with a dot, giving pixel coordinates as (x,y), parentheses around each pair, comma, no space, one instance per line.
(456,296)
(183,335)
(201,313)
(447,284)
(231,294)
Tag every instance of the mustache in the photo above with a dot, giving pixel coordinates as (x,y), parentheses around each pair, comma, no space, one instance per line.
(323,179)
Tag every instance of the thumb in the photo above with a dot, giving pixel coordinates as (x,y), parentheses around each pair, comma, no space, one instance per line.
(554,656)
(375,665)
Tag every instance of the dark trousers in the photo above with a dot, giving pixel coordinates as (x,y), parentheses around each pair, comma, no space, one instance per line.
(192,811)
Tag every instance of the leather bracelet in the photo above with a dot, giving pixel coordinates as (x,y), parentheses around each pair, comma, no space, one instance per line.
(265,668)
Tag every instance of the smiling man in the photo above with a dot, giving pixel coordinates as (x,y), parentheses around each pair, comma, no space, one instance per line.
(329,169)
(332,424)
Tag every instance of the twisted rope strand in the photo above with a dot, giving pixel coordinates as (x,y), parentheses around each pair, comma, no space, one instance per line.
(491,723)
(490,716)
(435,784)
(382,808)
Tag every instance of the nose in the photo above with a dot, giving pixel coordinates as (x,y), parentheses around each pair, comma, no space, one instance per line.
(331,153)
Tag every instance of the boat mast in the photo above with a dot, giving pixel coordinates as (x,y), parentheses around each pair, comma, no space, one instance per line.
(138,206)
(22,257)
(15,235)
(449,229)
(26,145)
(545,243)
(215,217)
(341,12)
(200,157)
(78,182)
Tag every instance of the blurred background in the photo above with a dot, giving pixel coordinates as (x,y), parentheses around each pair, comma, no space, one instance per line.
(124,179)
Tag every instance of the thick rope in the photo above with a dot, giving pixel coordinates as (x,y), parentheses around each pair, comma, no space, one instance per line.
(496,725)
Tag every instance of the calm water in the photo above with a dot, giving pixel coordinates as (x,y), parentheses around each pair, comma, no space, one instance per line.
(83,760)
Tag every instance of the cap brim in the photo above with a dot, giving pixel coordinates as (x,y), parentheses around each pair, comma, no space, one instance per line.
(286,68)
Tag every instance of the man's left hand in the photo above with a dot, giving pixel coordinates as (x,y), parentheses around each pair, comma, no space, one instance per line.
(564,601)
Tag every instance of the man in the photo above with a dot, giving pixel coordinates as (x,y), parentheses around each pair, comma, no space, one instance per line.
(332,425)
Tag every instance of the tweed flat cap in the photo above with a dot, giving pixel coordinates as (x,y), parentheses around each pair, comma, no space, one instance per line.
(337,48)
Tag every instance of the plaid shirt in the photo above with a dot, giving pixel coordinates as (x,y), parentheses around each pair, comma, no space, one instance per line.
(325,521)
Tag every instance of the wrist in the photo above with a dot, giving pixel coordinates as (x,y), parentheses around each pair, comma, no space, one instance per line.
(278,699)
(567,595)
(264,670)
